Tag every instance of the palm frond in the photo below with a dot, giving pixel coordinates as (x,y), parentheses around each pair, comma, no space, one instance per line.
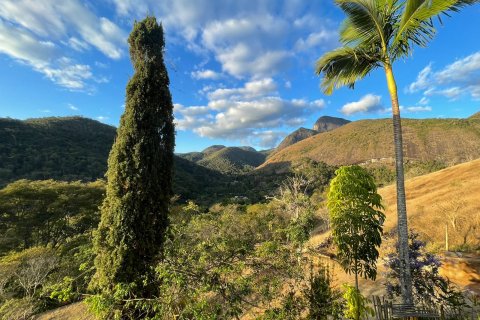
(416,22)
(344,66)
(364,22)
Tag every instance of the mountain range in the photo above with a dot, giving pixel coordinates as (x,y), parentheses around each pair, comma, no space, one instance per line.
(76,148)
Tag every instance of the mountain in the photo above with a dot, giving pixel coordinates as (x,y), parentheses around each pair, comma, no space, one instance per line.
(71,148)
(446,140)
(212,149)
(227,160)
(76,148)
(326,123)
(294,137)
(233,160)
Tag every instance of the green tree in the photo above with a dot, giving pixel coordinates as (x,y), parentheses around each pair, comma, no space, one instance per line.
(134,216)
(376,33)
(356,220)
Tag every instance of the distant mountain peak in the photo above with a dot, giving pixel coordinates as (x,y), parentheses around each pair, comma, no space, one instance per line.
(296,136)
(327,123)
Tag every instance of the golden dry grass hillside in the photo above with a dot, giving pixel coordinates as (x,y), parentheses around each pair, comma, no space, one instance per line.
(446,198)
(449,140)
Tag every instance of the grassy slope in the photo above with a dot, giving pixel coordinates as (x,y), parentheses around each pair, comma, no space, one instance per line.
(428,195)
(448,140)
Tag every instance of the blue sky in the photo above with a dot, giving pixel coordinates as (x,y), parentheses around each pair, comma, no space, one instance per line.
(242,71)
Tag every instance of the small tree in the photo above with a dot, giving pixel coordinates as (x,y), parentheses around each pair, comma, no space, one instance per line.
(135,210)
(429,287)
(356,220)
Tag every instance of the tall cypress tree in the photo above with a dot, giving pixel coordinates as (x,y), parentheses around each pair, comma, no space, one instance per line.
(134,213)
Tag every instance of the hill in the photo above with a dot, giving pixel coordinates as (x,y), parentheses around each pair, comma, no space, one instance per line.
(71,148)
(77,148)
(233,160)
(227,160)
(448,197)
(448,140)
(294,137)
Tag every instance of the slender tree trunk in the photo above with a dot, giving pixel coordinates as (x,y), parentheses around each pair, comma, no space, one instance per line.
(405,274)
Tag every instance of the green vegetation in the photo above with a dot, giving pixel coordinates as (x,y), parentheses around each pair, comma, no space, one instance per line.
(47,213)
(68,149)
(134,216)
(356,221)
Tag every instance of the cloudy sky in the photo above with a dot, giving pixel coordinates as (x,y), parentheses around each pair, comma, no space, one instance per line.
(242,71)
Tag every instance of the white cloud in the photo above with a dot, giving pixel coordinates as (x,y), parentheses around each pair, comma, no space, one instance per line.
(324,38)
(102,118)
(415,109)
(252,89)
(423,80)
(59,20)
(453,81)
(42,57)
(72,107)
(368,103)
(424,101)
(40,34)
(206,74)
(249,113)
(266,139)
(248,38)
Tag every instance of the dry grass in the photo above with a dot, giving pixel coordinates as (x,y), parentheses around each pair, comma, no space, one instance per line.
(432,198)
(74,311)
(449,140)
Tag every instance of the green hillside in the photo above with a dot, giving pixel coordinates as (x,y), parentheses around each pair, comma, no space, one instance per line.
(71,148)
(227,160)
(233,160)
(76,148)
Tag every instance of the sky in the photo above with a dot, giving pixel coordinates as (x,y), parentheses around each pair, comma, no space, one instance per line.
(241,71)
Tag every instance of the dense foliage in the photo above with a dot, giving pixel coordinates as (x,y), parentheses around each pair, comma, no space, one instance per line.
(356,220)
(41,213)
(134,217)
(72,148)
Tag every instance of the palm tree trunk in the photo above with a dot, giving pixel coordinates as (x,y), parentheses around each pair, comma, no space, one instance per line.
(405,274)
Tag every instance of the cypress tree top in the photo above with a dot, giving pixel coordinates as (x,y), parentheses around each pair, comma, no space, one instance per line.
(135,210)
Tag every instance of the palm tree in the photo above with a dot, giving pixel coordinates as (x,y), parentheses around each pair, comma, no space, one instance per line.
(374,34)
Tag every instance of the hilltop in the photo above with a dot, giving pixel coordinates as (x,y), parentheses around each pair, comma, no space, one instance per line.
(294,137)
(323,124)
(448,140)
(227,160)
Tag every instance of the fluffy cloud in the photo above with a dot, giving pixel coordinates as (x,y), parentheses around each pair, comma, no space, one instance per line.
(454,80)
(368,103)
(206,74)
(248,38)
(37,34)
(249,113)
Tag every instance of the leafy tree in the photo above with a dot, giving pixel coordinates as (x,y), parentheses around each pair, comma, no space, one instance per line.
(429,287)
(47,212)
(376,34)
(356,220)
(134,213)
